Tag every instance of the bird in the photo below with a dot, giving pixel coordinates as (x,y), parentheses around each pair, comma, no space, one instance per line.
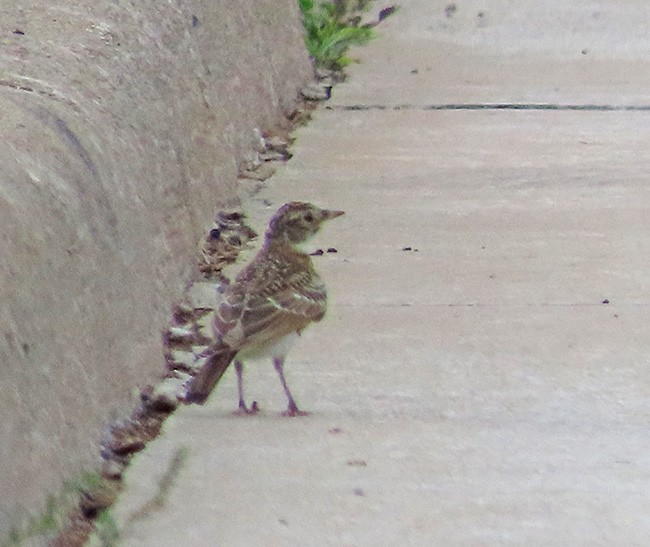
(274,298)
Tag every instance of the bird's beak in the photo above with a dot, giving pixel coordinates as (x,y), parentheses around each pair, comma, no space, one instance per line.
(329,214)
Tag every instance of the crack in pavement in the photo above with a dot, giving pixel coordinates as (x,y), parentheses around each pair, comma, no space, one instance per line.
(496,106)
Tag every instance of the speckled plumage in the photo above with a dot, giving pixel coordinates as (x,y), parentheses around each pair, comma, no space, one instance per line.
(276,296)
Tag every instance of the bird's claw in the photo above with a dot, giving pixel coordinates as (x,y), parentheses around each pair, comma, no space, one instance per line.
(294,411)
(243,410)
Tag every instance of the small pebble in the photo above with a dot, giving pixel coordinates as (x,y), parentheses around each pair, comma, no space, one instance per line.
(166,394)
(274,155)
(180,334)
(263,172)
(259,142)
(252,161)
(124,442)
(184,359)
(112,469)
(316,92)
(182,376)
(322,73)
(184,308)
(98,497)
(277,142)
(188,360)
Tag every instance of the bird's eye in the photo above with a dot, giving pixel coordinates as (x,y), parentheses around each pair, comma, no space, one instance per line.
(309,217)
(215,233)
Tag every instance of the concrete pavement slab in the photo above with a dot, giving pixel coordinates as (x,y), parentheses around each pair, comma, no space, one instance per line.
(481,377)
(504,52)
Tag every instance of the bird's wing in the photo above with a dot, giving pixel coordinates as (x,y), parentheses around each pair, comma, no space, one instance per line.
(270,300)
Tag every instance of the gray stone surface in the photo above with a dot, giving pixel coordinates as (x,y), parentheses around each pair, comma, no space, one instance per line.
(122,127)
(490,385)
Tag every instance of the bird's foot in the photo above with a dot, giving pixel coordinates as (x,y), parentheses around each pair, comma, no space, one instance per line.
(243,410)
(293,410)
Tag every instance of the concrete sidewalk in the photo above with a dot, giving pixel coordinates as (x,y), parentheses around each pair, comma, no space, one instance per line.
(490,385)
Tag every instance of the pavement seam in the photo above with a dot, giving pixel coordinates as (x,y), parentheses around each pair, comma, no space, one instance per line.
(496,106)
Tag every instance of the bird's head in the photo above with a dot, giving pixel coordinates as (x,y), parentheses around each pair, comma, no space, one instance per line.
(297,221)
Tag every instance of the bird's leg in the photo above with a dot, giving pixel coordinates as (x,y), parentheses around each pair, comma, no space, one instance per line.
(292,408)
(243,409)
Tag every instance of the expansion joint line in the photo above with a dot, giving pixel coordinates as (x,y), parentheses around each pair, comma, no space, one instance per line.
(496,106)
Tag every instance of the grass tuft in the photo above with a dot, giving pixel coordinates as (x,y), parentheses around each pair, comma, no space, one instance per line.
(331,28)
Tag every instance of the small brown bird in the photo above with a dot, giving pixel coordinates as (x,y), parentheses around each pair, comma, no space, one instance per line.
(269,304)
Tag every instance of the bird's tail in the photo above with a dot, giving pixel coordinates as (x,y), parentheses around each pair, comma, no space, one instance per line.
(203,383)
